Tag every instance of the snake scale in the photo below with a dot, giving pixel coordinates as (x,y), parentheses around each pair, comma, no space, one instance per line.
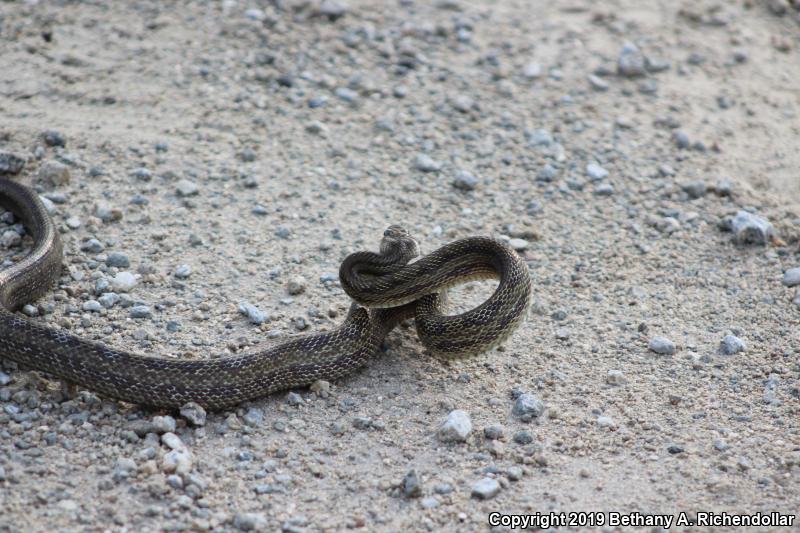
(388,287)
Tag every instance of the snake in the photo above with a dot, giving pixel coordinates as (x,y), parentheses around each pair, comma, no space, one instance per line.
(388,287)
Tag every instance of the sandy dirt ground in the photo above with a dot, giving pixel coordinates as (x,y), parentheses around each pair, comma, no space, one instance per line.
(236,151)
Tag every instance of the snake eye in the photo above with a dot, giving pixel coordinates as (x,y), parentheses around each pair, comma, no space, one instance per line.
(387,232)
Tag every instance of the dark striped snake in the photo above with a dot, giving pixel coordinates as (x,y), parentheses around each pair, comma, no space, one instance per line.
(386,285)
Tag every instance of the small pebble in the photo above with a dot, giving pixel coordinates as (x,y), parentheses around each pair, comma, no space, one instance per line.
(518,244)
(465,181)
(118,259)
(494,432)
(456,428)
(596,172)
(527,407)
(424,163)
(182,271)
(140,311)
(186,188)
(631,61)
(662,345)
(604,189)
(731,345)
(296,285)
(615,377)
(412,488)
(791,277)
(532,70)
(11,163)
(123,282)
(485,489)
(54,138)
(54,173)
(194,414)
(751,229)
(253,313)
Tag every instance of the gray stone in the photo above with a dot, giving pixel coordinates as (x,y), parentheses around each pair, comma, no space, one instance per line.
(597,83)
(547,173)
(485,489)
(293,398)
(140,311)
(631,61)
(523,437)
(54,173)
(518,244)
(253,313)
(662,345)
(93,306)
(11,163)
(681,139)
(538,137)
(494,432)
(604,189)
(751,229)
(186,188)
(412,488)
(346,94)
(527,407)
(695,189)
(462,103)
(92,246)
(615,377)
(106,213)
(296,285)
(532,70)
(30,310)
(123,469)
(514,473)
(182,271)
(596,172)
(250,522)
(108,299)
(456,428)
(465,181)
(10,238)
(141,174)
(731,345)
(54,138)
(254,417)
(425,163)
(606,422)
(333,9)
(118,259)
(194,414)
(163,424)
(123,282)
(791,277)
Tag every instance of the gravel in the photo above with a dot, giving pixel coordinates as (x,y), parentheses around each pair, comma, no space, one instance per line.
(283,136)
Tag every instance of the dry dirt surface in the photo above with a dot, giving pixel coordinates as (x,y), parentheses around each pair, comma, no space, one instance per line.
(198,156)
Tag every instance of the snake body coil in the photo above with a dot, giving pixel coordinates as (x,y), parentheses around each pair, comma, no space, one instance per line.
(391,289)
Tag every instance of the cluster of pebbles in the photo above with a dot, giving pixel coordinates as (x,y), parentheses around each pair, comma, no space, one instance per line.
(209,166)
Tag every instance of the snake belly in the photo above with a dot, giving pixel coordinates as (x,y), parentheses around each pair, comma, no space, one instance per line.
(387,286)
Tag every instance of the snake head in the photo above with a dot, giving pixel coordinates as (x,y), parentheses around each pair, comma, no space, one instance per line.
(397,241)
